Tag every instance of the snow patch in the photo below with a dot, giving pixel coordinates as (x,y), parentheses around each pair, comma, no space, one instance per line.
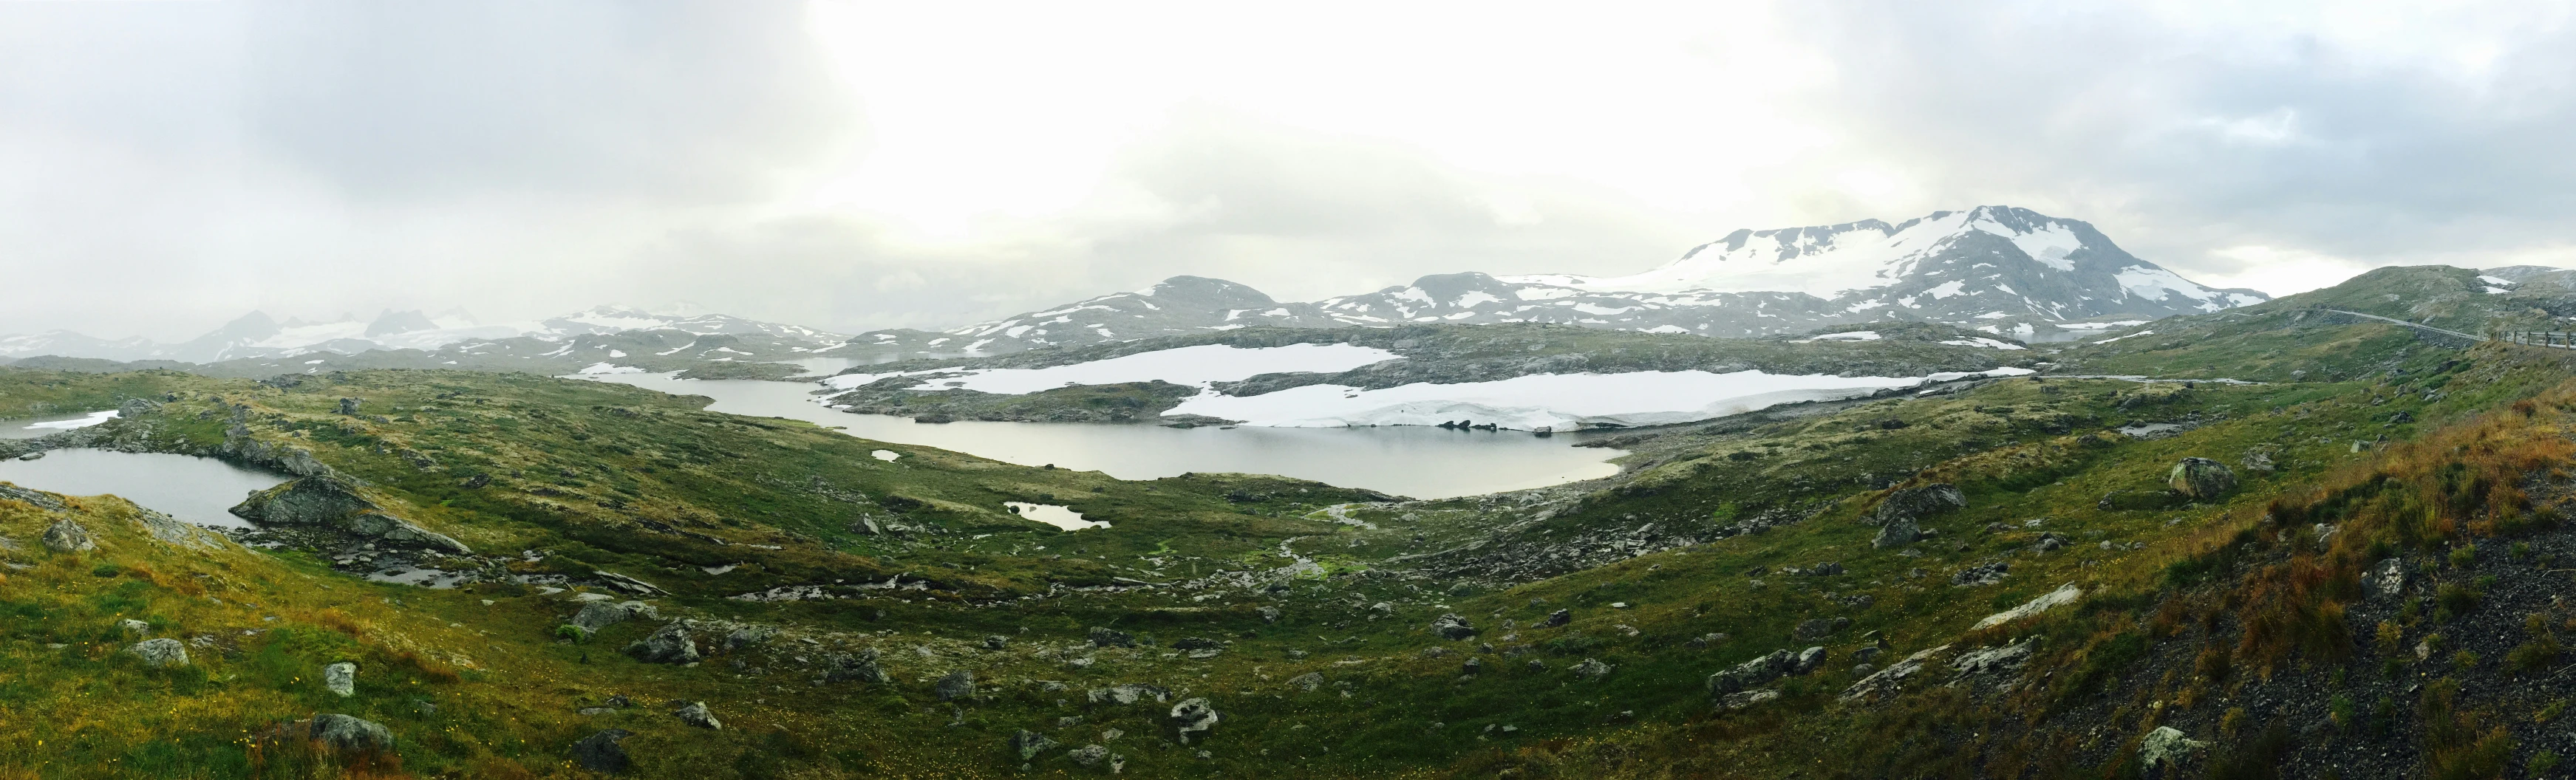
(1553,401)
(94,418)
(604,367)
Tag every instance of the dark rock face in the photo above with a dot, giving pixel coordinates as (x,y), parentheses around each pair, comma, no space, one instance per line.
(601,753)
(957,685)
(1558,618)
(1896,533)
(1917,503)
(2201,479)
(1819,628)
(343,732)
(333,503)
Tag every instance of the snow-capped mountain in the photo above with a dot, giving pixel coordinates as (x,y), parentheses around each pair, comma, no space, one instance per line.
(1181,304)
(256,335)
(2004,270)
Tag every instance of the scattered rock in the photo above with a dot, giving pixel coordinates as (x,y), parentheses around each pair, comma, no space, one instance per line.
(2201,479)
(670,645)
(66,536)
(1088,755)
(601,753)
(1452,627)
(1193,714)
(1592,669)
(160,652)
(2257,460)
(1985,574)
(1989,659)
(957,685)
(1742,699)
(1808,660)
(597,615)
(746,636)
(1128,693)
(695,714)
(1819,628)
(2387,579)
(861,666)
(996,642)
(346,733)
(133,627)
(1269,614)
(1558,618)
(1888,681)
(341,678)
(1196,643)
(1029,743)
(1310,681)
(1759,671)
(1102,636)
(2166,747)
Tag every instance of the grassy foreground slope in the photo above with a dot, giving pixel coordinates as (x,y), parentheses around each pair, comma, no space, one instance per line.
(1303,614)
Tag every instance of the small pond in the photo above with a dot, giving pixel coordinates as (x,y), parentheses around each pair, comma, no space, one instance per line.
(193,489)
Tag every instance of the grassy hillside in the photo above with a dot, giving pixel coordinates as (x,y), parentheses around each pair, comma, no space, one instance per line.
(1305,614)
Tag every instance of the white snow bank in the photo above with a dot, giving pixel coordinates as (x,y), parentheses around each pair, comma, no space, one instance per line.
(1857,335)
(2099,325)
(94,418)
(2064,594)
(1982,341)
(2494,280)
(1553,401)
(608,368)
(2126,336)
(1196,366)
(1053,515)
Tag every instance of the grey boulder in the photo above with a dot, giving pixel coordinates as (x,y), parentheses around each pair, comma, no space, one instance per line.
(2201,479)
(341,678)
(670,645)
(1451,626)
(67,536)
(957,685)
(343,732)
(160,652)
(1916,503)
(1029,743)
(695,714)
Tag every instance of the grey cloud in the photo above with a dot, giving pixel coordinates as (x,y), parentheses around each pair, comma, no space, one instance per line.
(2182,143)
(695,102)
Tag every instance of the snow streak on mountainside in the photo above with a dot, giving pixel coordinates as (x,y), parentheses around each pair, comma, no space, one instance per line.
(2007,271)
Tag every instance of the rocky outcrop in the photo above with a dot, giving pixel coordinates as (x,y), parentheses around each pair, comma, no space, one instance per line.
(2201,479)
(1916,503)
(597,615)
(861,666)
(2165,747)
(1102,636)
(332,503)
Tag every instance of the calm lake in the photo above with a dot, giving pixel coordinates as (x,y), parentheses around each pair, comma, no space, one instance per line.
(1416,461)
(193,489)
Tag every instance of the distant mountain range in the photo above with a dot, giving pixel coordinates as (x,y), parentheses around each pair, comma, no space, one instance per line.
(2003,270)
(257,336)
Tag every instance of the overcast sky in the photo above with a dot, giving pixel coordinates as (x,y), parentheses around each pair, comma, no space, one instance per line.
(166,166)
